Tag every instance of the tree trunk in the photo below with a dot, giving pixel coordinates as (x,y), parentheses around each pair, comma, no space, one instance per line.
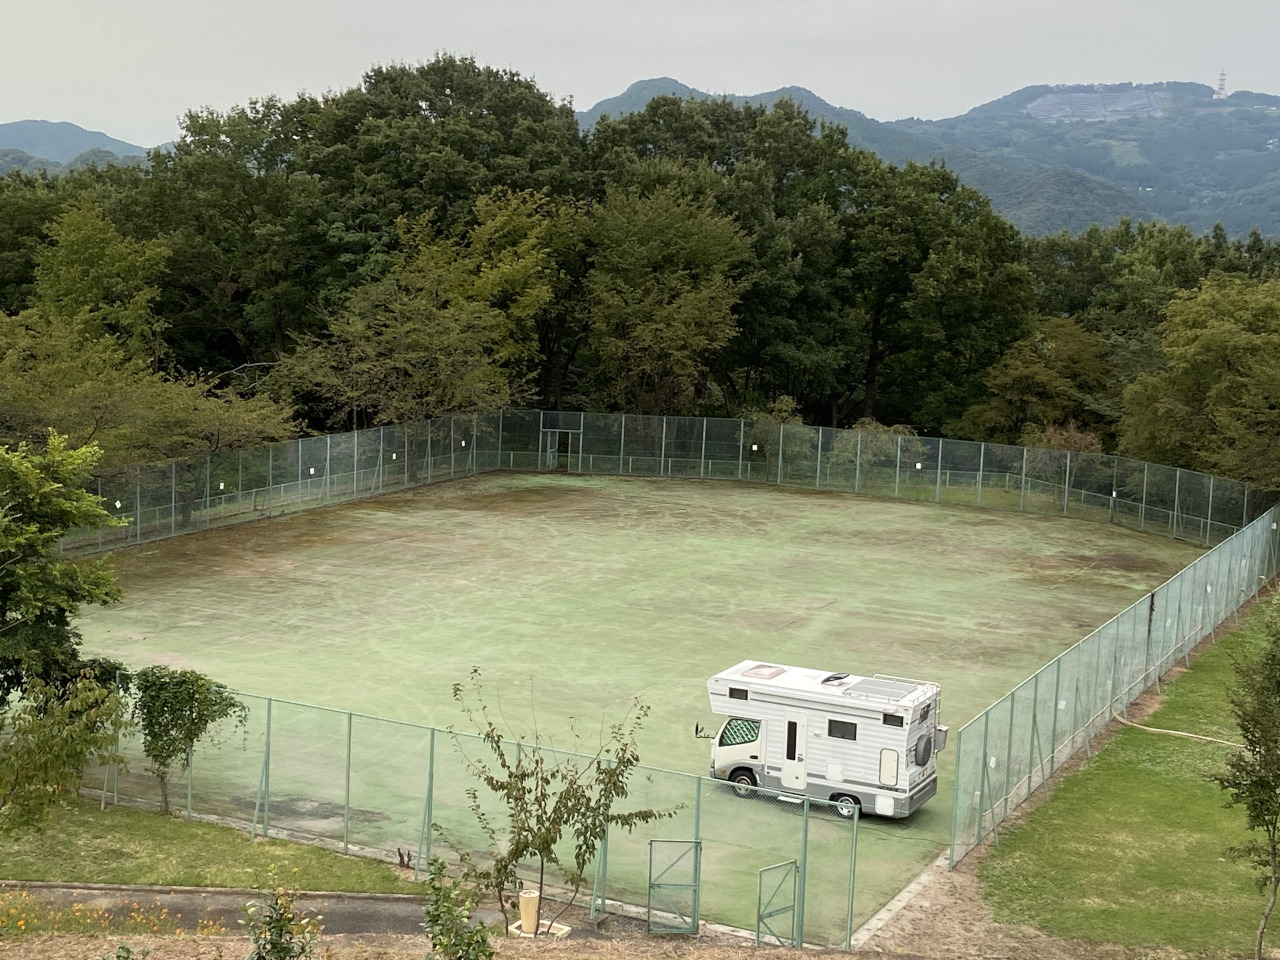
(164,793)
(1271,905)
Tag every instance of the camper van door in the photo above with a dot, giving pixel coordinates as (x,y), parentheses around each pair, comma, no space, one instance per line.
(793,772)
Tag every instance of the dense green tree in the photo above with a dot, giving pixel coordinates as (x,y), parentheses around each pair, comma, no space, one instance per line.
(42,498)
(1252,775)
(662,290)
(1215,405)
(47,739)
(1046,379)
(450,327)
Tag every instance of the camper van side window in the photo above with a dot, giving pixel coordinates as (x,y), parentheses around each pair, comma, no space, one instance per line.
(738,731)
(842,729)
(791,739)
(737,693)
(924,714)
(892,720)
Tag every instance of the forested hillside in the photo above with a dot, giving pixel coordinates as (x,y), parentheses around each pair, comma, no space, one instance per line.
(1065,158)
(446,236)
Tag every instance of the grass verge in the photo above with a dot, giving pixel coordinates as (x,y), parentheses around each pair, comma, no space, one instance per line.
(83,844)
(1131,848)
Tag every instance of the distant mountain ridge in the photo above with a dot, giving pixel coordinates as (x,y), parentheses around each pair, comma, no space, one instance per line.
(1064,157)
(61,142)
(32,146)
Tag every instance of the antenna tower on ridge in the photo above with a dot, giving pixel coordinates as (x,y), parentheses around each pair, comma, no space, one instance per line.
(1221,93)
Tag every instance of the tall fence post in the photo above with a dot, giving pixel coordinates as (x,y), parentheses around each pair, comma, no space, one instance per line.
(662,451)
(937,483)
(1142,511)
(189,764)
(355,458)
(857,465)
(346,797)
(424,833)
(1053,731)
(328,466)
(781,427)
(1022,484)
(1208,514)
(1066,485)
(897,467)
(453,451)
(702,461)
(1177,495)
(800,880)
(622,443)
(853,873)
(742,433)
(173,497)
(982,463)
(817,474)
(137,501)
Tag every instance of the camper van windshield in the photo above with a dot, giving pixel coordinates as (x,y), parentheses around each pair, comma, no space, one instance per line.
(738,731)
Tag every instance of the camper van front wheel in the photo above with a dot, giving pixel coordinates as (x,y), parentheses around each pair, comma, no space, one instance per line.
(846,806)
(744,782)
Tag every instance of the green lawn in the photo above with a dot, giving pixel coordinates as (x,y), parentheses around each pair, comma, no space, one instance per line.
(86,845)
(1131,848)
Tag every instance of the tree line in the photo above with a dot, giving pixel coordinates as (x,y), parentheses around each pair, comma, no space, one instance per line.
(443,237)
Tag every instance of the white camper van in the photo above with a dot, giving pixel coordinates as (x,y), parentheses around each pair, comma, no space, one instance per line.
(867,742)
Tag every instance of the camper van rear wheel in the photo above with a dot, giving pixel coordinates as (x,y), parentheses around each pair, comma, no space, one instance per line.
(847,807)
(744,782)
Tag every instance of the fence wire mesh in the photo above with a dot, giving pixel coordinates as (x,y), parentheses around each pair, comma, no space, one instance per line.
(379,787)
(164,500)
(1015,745)
(366,783)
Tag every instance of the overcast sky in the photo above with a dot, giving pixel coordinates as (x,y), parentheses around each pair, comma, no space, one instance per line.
(131,67)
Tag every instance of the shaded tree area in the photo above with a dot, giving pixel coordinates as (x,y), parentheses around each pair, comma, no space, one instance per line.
(442,236)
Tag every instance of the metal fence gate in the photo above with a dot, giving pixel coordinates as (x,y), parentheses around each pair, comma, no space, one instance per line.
(776,904)
(674,877)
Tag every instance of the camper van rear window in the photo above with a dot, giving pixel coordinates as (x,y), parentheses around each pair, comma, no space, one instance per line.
(737,693)
(924,714)
(738,731)
(842,730)
(892,720)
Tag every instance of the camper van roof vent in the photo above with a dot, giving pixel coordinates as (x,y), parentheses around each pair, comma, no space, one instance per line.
(763,671)
(888,689)
(835,677)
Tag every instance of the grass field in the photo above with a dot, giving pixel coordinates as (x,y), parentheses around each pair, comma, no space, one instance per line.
(85,845)
(577,593)
(1131,848)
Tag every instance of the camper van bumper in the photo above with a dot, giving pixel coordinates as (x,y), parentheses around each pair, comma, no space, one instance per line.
(922,793)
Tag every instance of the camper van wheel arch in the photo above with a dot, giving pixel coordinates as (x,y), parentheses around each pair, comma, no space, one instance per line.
(744,782)
(847,807)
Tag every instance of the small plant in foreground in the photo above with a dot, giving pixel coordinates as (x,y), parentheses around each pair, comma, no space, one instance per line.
(276,928)
(448,923)
(126,952)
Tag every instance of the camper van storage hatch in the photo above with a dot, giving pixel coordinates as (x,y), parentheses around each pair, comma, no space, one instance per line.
(889,689)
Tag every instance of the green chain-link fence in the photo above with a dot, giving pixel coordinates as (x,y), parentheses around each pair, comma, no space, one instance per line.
(234,486)
(367,785)
(1012,747)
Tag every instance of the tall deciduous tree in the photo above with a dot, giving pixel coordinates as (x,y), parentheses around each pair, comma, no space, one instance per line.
(1252,776)
(662,292)
(1215,405)
(42,497)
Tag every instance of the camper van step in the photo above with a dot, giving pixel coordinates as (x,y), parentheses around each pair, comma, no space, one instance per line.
(790,798)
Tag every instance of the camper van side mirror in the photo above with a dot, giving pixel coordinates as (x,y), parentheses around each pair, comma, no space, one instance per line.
(940,737)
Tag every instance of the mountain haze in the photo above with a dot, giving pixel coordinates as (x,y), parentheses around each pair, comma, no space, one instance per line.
(61,142)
